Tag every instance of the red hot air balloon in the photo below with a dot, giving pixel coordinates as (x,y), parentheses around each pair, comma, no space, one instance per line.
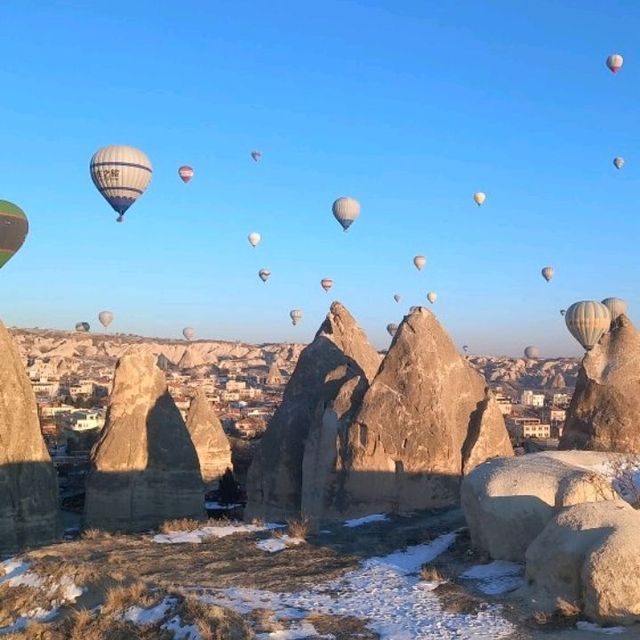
(186,173)
(615,62)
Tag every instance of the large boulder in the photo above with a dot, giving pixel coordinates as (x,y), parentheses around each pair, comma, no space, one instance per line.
(605,409)
(339,352)
(508,502)
(28,481)
(209,440)
(145,467)
(588,555)
(425,420)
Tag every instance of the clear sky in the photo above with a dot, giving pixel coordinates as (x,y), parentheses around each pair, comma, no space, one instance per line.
(409,106)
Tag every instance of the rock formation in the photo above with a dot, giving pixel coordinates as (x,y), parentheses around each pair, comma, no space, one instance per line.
(588,555)
(426,418)
(605,410)
(209,440)
(274,377)
(339,352)
(508,502)
(28,482)
(145,467)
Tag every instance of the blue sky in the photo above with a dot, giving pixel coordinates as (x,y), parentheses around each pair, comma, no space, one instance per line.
(408,106)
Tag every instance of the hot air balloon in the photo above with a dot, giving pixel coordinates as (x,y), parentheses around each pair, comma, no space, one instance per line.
(345,211)
(465,348)
(256,155)
(326,283)
(105,317)
(14,227)
(254,239)
(419,262)
(616,306)
(532,353)
(618,162)
(391,329)
(479,197)
(615,62)
(296,316)
(186,173)
(397,297)
(588,321)
(432,296)
(264,274)
(188,333)
(562,312)
(121,174)
(547,273)
(83,326)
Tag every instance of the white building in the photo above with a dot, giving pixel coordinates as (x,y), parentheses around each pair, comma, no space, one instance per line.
(532,399)
(86,420)
(504,404)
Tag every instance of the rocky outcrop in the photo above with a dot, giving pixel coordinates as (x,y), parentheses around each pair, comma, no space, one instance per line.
(425,419)
(605,410)
(588,555)
(28,482)
(339,352)
(508,502)
(209,440)
(145,467)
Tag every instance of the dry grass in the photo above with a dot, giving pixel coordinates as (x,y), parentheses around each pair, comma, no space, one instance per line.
(213,622)
(564,616)
(183,524)
(95,534)
(341,627)
(299,528)
(263,621)
(624,468)
(121,598)
(429,573)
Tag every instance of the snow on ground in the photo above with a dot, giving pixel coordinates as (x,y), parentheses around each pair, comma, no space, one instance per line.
(358,522)
(590,626)
(496,577)
(272,545)
(153,615)
(180,632)
(625,476)
(198,535)
(298,631)
(384,590)
(211,505)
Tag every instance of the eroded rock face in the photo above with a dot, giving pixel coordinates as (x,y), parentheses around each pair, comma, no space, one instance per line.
(589,556)
(28,481)
(145,467)
(509,501)
(426,418)
(605,410)
(339,352)
(209,440)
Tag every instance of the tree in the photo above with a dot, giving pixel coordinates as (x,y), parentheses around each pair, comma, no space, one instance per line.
(228,488)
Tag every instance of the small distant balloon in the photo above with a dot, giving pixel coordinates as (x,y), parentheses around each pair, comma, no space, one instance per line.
(188,333)
(83,326)
(346,210)
(264,274)
(465,348)
(397,297)
(432,296)
(256,155)
(186,173)
(618,162)
(588,321)
(547,273)
(106,318)
(616,306)
(296,316)
(326,283)
(615,62)
(563,311)
(391,329)
(254,239)
(532,353)
(14,227)
(479,197)
(419,262)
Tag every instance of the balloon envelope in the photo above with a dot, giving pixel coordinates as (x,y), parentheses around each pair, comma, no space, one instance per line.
(618,163)
(254,239)
(186,173)
(14,227)
(465,348)
(391,329)
(532,352)
(105,317)
(82,326)
(547,273)
(296,316)
(188,333)
(563,311)
(326,283)
(264,274)
(432,296)
(479,197)
(615,62)
(345,211)
(588,321)
(419,262)
(616,306)
(121,174)
(256,155)
(397,297)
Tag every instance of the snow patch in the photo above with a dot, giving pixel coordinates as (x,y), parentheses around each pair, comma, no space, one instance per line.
(153,615)
(583,625)
(295,632)
(180,632)
(358,522)
(496,577)
(273,545)
(197,536)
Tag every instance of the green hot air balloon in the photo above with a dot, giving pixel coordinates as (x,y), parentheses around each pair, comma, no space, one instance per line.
(83,327)
(14,227)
